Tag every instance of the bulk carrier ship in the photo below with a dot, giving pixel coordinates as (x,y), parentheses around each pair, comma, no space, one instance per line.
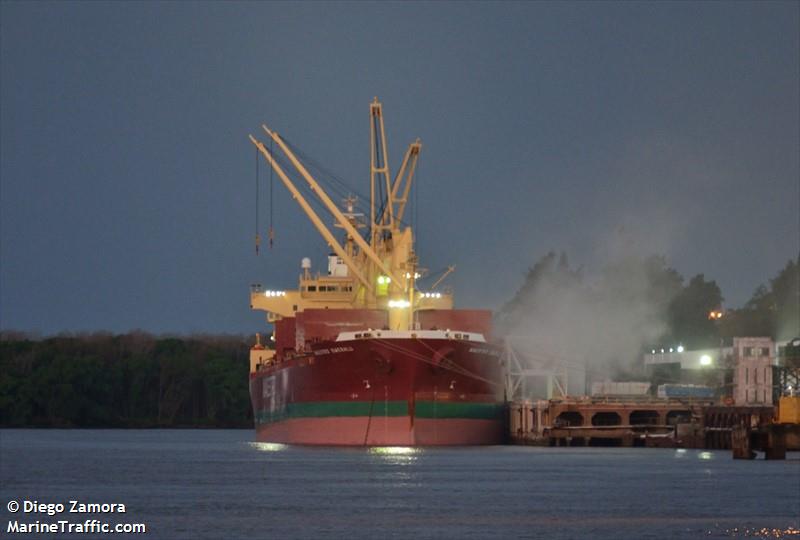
(362,354)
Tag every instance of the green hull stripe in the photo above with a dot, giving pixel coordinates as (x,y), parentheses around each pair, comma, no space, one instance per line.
(449,409)
(422,409)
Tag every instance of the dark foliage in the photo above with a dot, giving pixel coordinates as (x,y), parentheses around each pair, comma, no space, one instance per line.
(131,380)
(772,311)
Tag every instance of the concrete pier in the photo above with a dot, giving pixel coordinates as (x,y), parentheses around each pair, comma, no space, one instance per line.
(643,421)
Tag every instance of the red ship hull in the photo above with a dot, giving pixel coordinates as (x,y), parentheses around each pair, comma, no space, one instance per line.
(383,392)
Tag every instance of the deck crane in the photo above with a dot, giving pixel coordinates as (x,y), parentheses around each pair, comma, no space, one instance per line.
(385,264)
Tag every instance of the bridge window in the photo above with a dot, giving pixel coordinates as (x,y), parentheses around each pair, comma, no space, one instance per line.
(328,288)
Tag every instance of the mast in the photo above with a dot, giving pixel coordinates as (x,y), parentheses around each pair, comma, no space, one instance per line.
(382,217)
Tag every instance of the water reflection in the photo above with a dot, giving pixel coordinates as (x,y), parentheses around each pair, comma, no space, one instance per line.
(268,446)
(763,532)
(704,456)
(393,450)
(399,455)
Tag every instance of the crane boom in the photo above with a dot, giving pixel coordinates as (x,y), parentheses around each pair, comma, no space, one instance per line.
(312,215)
(412,156)
(340,218)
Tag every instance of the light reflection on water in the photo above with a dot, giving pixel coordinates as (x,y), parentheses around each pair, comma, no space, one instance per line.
(396,455)
(268,446)
(702,455)
(394,450)
(763,532)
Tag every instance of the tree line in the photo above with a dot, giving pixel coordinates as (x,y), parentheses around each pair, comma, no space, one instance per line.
(133,380)
(681,306)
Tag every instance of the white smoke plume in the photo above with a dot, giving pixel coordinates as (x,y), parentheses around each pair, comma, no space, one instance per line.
(598,321)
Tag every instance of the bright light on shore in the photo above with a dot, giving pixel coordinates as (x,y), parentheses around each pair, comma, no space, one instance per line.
(705,360)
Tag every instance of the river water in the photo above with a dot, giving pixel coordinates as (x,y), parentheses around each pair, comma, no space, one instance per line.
(220,484)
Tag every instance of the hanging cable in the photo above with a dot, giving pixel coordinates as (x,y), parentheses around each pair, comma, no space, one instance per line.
(335,184)
(271,181)
(309,194)
(338,184)
(327,180)
(455,368)
(258,237)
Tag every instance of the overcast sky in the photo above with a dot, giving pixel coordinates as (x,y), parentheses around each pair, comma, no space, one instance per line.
(128,182)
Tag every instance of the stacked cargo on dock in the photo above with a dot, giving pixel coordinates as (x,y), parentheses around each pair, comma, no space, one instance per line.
(620,389)
(690,391)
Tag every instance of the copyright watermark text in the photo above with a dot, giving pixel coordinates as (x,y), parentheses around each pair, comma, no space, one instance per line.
(71,523)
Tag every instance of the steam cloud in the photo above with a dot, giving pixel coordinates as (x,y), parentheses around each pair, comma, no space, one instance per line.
(568,319)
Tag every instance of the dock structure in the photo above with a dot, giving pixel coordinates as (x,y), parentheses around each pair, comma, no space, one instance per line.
(602,421)
(643,421)
(773,438)
(757,410)
(770,439)
(721,422)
